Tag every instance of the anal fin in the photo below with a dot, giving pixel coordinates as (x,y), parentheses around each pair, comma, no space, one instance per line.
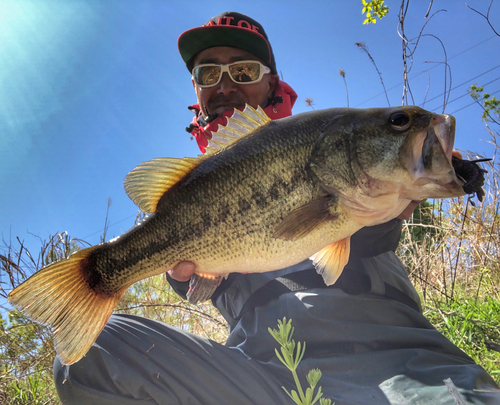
(331,260)
(202,286)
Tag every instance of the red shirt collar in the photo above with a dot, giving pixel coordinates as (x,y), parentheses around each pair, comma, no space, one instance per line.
(276,111)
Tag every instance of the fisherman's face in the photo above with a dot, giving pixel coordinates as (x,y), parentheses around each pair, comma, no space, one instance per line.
(228,95)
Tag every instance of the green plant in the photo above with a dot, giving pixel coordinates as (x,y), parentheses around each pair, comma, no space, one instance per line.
(26,362)
(490,104)
(290,355)
(33,390)
(372,9)
(469,325)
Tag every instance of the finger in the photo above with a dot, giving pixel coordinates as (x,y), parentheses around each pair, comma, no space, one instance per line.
(182,271)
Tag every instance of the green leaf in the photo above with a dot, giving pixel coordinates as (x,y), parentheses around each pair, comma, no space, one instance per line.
(296,398)
(291,396)
(309,396)
(319,394)
(313,377)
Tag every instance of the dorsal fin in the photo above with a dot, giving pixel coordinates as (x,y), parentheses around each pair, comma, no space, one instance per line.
(147,183)
(240,124)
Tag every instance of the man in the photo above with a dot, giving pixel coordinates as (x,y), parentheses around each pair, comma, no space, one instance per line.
(366,333)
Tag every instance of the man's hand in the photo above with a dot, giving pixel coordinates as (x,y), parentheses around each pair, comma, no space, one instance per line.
(182,271)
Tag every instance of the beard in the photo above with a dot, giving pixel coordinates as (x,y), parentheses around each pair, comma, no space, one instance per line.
(220,103)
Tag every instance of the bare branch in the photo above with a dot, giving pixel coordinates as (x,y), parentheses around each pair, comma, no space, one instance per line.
(447,89)
(408,56)
(487,16)
(429,9)
(342,73)
(363,47)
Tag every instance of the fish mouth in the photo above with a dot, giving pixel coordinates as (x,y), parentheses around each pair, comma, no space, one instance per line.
(433,169)
(438,146)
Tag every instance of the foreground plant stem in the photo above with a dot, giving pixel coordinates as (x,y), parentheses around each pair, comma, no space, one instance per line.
(291,359)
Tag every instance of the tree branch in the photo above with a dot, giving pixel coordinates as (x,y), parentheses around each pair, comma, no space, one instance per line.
(487,16)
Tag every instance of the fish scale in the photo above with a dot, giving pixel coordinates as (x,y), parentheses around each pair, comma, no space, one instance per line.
(259,201)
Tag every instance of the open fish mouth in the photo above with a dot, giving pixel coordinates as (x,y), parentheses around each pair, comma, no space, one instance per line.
(468,171)
(439,164)
(438,145)
(433,170)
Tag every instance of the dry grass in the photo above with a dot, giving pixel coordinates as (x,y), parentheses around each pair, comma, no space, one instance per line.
(26,348)
(457,245)
(453,261)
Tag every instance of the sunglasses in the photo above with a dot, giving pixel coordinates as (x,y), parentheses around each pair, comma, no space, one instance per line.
(241,72)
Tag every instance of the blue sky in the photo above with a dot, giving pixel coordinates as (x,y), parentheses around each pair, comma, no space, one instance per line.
(89,89)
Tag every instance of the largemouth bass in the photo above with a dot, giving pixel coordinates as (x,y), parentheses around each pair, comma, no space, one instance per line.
(269,194)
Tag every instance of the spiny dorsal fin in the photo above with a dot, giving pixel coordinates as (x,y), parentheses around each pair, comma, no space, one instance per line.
(240,124)
(147,183)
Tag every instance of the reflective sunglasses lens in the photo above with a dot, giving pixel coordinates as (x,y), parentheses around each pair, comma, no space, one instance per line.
(207,75)
(245,72)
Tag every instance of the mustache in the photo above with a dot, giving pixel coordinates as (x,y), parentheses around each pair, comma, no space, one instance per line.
(221,100)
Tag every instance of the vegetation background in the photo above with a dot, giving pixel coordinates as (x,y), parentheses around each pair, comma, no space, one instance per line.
(451,250)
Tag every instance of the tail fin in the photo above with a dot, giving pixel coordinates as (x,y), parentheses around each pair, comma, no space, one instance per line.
(60,297)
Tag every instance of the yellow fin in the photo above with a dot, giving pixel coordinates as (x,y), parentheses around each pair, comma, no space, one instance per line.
(331,260)
(147,183)
(60,297)
(240,124)
(305,219)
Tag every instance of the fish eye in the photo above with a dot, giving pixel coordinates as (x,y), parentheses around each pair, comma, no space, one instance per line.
(400,121)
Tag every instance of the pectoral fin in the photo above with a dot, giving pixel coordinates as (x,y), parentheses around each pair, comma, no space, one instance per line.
(305,219)
(202,287)
(331,260)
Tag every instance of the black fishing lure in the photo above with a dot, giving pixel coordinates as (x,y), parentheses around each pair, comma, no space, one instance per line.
(472,174)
